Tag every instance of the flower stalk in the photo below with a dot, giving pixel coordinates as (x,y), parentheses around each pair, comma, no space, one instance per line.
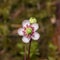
(25,52)
(28,57)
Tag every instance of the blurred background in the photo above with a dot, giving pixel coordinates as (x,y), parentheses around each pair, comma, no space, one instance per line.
(47,13)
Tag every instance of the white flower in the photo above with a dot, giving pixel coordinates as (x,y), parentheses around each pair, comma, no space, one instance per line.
(28,31)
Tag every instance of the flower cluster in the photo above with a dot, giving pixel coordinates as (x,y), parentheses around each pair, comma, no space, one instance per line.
(28,30)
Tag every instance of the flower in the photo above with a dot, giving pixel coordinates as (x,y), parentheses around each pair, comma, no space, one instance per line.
(28,31)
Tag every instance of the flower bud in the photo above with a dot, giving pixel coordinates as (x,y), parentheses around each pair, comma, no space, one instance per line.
(32,20)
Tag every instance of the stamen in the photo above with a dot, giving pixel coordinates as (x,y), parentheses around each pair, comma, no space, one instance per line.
(28,31)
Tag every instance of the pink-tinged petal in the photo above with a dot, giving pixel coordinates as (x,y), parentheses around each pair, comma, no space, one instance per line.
(36,26)
(20,31)
(25,39)
(36,36)
(25,23)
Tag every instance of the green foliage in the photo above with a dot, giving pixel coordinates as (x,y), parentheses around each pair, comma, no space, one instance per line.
(34,48)
(52,52)
(51,58)
(4,30)
(52,47)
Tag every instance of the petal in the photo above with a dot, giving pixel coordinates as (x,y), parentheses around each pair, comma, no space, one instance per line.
(25,39)
(36,26)
(25,23)
(20,31)
(36,36)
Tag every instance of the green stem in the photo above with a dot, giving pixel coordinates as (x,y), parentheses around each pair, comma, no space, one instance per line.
(25,52)
(28,58)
